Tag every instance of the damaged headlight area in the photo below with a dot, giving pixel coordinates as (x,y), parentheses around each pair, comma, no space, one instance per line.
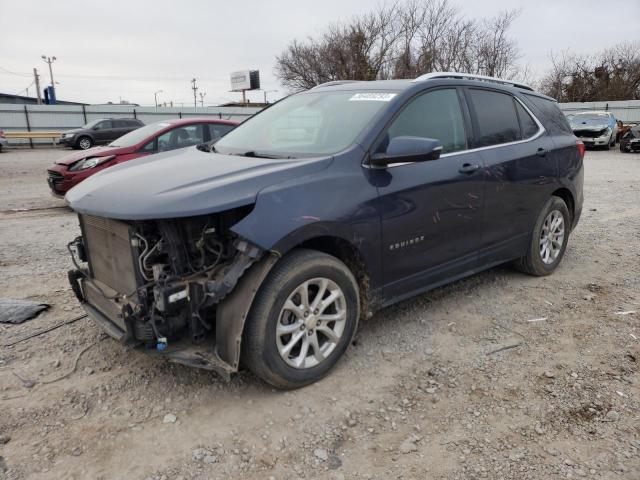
(153,282)
(90,162)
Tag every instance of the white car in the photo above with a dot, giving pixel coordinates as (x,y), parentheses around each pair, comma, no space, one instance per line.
(595,129)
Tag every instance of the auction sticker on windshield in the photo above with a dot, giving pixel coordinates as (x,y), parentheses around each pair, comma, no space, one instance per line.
(372,97)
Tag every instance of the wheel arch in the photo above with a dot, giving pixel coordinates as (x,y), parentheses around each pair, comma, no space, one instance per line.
(232,311)
(352,257)
(566,195)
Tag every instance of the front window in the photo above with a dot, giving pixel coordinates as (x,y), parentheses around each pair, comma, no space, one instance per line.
(91,124)
(307,124)
(138,135)
(434,114)
(181,137)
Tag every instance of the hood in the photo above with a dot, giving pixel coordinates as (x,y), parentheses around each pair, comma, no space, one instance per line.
(91,152)
(183,183)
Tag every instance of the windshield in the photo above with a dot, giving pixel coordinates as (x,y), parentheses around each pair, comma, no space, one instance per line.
(138,135)
(91,124)
(590,118)
(305,125)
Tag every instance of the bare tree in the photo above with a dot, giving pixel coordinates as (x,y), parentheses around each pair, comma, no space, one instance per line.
(613,74)
(401,40)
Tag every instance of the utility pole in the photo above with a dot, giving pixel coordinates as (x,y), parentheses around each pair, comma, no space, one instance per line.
(265,94)
(155,97)
(37,80)
(202,95)
(50,60)
(194,87)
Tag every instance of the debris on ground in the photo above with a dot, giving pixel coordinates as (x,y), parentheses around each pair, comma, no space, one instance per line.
(18,311)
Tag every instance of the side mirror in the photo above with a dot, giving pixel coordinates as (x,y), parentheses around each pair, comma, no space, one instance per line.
(407,149)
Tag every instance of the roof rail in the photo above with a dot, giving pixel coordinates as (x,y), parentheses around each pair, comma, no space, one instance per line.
(470,76)
(335,82)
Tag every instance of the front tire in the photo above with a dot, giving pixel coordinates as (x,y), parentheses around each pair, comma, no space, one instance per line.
(302,319)
(548,241)
(84,143)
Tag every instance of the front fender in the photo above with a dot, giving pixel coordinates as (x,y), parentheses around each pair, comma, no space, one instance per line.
(338,202)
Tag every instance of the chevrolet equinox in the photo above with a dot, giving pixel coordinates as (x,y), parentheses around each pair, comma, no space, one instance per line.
(266,249)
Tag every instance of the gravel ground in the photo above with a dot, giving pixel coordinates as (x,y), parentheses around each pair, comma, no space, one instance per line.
(499,376)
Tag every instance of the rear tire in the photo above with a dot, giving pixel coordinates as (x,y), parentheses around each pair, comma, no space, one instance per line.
(84,143)
(283,319)
(549,239)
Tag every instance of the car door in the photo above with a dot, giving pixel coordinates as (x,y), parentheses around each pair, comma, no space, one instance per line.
(520,165)
(431,211)
(118,129)
(102,131)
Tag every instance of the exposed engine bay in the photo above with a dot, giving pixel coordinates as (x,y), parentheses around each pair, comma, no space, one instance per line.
(159,281)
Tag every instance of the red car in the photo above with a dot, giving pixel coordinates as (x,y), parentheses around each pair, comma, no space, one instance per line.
(156,137)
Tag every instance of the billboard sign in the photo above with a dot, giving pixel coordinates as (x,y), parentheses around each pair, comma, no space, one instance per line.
(245,80)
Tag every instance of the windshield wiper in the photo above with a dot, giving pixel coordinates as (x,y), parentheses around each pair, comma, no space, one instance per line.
(254,154)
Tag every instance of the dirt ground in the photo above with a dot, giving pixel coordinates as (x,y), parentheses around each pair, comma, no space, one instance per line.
(423,392)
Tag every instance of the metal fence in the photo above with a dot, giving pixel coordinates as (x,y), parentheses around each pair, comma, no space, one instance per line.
(35,118)
(627,110)
(63,117)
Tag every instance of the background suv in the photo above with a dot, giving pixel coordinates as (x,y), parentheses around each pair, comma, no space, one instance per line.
(156,137)
(98,132)
(322,208)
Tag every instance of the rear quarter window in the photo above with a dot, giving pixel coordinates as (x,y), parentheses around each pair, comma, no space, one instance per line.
(527,123)
(549,114)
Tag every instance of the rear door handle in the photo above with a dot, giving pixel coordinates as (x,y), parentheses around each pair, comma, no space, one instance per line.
(541,152)
(469,168)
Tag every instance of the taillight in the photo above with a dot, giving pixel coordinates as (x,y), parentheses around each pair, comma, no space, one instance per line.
(2,133)
(581,148)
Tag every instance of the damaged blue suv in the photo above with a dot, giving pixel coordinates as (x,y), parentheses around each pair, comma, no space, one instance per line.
(265,249)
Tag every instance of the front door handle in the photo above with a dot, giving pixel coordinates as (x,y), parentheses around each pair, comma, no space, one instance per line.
(469,168)
(541,152)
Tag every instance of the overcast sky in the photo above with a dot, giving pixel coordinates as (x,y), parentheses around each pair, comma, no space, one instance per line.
(126,50)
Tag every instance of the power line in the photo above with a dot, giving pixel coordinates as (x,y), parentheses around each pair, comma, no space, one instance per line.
(15,73)
(25,89)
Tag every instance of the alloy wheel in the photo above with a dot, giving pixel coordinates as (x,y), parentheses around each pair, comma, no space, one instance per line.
(552,237)
(311,323)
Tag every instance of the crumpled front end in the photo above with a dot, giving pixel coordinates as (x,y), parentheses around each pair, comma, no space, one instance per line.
(596,136)
(160,284)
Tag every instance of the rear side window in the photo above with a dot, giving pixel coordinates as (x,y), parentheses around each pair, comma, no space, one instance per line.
(497,120)
(435,114)
(527,123)
(550,115)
